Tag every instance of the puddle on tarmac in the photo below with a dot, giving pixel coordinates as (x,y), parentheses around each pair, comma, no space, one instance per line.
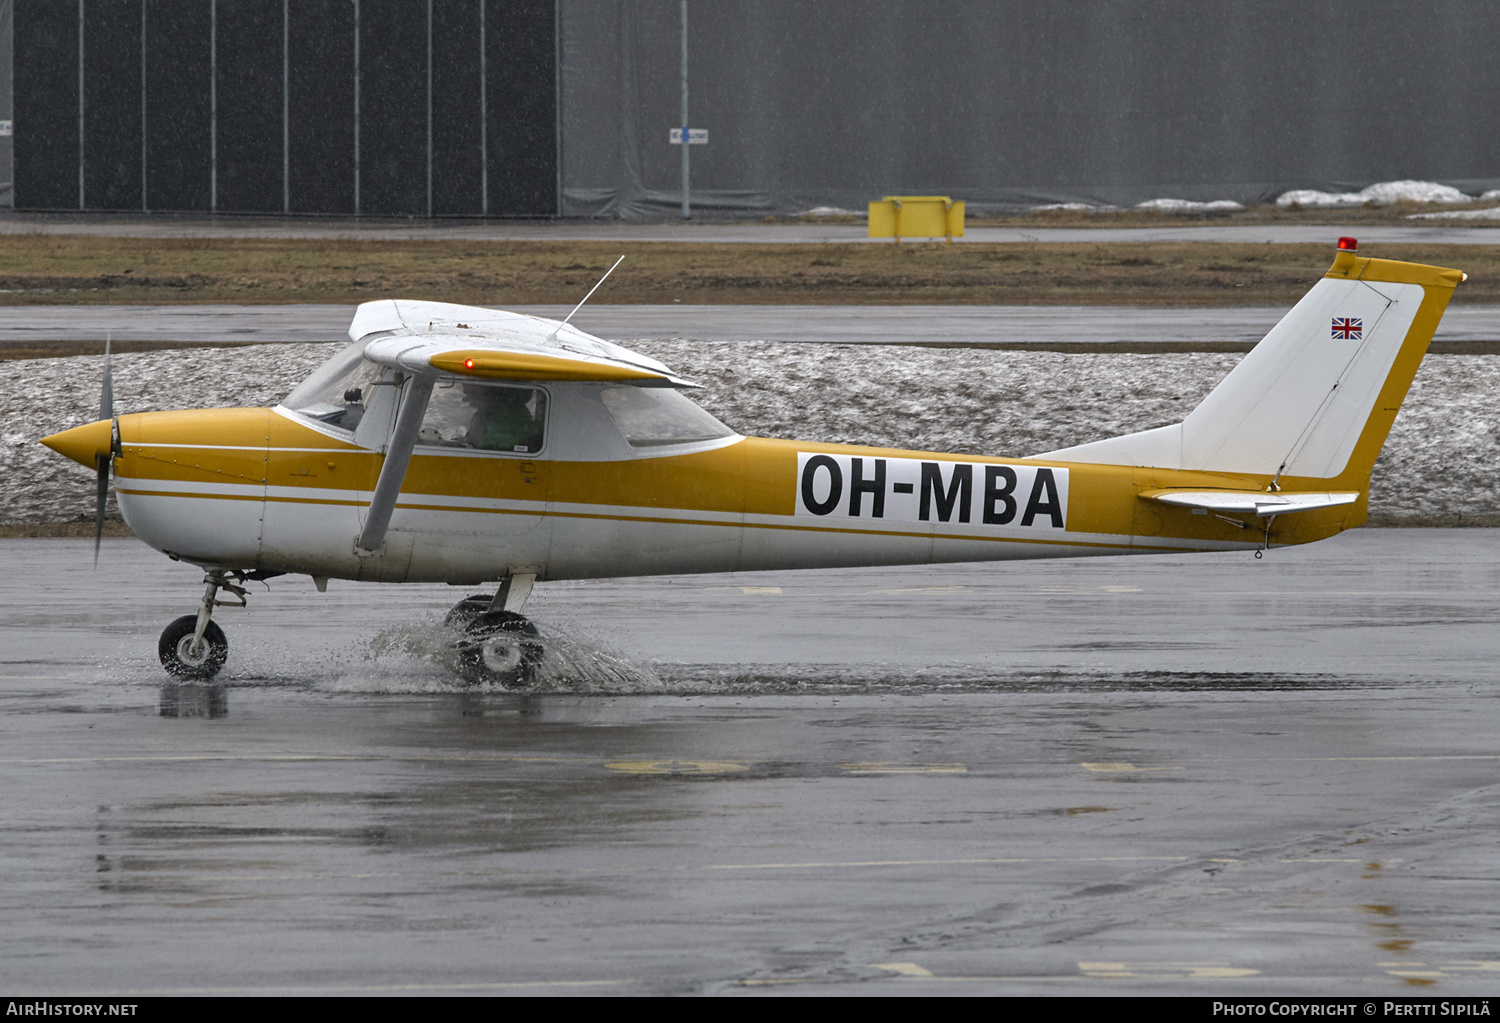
(418,657)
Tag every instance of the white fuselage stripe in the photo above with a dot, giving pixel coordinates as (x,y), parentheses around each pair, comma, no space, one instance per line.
(938,531)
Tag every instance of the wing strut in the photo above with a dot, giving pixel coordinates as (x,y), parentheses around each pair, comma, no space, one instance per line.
(397,457)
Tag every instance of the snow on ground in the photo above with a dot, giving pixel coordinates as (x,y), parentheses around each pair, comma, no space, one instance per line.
(1072,207)
(1188,206)
(833,211)
(1443,456)
(1488,213)
(1382,193)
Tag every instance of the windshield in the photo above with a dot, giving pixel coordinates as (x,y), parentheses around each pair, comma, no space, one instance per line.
(337,391)
(655,416)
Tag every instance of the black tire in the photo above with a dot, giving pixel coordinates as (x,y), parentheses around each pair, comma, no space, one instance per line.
(498,648)
(174,650)
(466,610)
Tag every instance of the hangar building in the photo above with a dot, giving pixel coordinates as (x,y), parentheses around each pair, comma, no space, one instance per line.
(541,108)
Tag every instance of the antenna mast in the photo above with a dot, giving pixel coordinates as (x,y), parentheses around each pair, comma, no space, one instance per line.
(590,295)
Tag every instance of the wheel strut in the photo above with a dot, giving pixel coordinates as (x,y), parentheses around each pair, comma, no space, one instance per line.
(213,582)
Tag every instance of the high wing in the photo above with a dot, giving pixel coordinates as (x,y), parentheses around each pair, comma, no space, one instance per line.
(439,337)
(429,338)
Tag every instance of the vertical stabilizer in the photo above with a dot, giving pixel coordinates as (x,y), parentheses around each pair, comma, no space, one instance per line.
(1316,397)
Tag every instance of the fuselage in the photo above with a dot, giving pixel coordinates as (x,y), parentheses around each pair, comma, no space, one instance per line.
(272,490)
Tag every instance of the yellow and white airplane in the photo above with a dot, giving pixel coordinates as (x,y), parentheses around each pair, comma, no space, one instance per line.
(462,445)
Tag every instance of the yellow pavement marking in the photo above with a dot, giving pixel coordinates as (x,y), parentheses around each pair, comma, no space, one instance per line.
(1091,970)
(877,768)
(660,869)
(668,766)
(676,766)
(498,985)
(904,969)
(1106,767)
(956,862)
(916,589)
(1448,969)
(1339,760)
(297,758)
(924,977)
(1186,971)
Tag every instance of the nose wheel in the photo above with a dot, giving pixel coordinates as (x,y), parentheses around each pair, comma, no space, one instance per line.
(186,660)
(193,648)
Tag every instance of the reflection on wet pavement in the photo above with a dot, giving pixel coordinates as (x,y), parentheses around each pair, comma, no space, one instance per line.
(1166,775)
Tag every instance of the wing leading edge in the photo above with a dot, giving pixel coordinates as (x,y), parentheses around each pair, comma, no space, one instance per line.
(439,337)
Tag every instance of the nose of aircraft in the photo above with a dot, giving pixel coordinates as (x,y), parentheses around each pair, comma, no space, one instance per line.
(83,444)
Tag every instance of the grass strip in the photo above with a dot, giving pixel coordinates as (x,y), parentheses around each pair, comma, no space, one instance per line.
(69,270)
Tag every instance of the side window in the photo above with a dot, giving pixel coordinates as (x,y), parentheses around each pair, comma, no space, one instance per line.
(655,416)
(484,417)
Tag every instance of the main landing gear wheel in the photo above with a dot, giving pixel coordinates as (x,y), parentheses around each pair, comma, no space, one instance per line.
(175,648)
(497,647)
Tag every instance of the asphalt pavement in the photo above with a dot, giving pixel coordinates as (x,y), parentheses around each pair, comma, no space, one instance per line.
(1208,775)
(703,232)
(1051,326)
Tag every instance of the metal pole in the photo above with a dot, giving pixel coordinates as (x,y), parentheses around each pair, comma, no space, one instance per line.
(484,118)
(429,109)
(557,107)
(687,208)
(143,106)
(286,105)
(356,108)
(213,105)
(80,104)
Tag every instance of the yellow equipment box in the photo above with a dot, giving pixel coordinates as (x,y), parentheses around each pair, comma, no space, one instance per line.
(917,216)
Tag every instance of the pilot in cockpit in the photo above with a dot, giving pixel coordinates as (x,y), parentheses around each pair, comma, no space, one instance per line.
(504,419)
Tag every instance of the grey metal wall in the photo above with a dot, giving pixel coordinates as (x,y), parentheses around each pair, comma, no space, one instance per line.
(7,191)
(345,107)
(814,102)
(837,102)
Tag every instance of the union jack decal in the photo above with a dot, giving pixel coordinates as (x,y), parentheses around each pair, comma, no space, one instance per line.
(1348,328)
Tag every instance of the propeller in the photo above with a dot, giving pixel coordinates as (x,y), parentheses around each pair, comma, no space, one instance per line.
(105,460)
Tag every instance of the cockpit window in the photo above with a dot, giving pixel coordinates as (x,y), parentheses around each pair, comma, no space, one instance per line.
(339,398)
(484,417)
(655,416)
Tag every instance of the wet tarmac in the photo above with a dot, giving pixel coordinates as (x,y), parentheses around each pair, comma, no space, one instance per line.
(709,232)
(1057,327)
(1177,775)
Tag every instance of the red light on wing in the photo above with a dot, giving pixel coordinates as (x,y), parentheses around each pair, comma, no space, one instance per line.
(1347,244)
(468,364)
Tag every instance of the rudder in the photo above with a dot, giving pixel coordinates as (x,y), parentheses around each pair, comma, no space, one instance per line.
(1316,397)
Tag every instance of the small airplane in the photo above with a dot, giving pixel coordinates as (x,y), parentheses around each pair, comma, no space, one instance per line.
(463,445)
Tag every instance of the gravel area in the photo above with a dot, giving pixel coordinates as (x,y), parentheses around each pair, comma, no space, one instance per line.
(1443,456)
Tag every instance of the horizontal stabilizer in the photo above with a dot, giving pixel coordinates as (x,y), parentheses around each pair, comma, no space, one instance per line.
(1263,503)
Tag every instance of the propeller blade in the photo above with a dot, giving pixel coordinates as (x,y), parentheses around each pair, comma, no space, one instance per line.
(100,497)
(107,392)
(103,462)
